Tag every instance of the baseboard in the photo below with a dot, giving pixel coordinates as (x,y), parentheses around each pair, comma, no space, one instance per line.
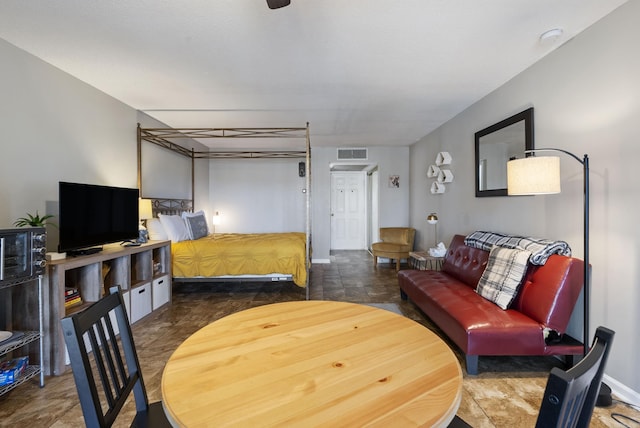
(321,261)
(621,391)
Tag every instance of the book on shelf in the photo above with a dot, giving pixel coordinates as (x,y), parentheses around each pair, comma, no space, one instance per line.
(71,294)
(71,297)
(72,302)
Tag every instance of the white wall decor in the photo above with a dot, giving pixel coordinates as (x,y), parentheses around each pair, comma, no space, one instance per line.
(437,188)
(433,171)
(443,158)
(441,175)
(445,176)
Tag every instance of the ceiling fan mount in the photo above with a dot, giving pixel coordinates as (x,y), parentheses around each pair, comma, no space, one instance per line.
(277,4)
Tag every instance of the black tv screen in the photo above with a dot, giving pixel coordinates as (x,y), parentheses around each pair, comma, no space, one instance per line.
(92,215)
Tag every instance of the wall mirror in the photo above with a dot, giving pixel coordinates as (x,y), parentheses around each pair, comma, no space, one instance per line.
(495,146)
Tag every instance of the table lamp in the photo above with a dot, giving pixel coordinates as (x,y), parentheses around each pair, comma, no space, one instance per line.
(433,219)
(215,221)
(145,212)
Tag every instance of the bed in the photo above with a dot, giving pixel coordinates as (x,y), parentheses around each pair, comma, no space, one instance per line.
(206,257)
(279,256)
(198,255)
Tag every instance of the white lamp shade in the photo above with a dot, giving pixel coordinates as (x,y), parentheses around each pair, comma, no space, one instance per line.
(144,209)
(534,175)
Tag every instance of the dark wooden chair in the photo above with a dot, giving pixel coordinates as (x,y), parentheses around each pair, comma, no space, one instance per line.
(570,396)
(105,365)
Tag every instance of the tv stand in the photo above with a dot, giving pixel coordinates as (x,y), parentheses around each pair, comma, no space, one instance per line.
(84,251)
(143,274)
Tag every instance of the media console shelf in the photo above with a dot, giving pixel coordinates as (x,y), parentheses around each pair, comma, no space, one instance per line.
(143,273)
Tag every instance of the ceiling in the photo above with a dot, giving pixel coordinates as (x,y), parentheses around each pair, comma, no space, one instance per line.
(361,72)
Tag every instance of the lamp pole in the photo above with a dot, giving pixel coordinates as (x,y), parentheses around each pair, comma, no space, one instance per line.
(587,271)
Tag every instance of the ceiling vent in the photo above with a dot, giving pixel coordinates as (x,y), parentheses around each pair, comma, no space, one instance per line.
(352,154)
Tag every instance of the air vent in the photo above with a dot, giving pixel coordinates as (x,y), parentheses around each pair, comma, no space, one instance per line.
(351,154)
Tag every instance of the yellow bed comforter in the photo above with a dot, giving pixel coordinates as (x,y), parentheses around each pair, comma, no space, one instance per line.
(242,254)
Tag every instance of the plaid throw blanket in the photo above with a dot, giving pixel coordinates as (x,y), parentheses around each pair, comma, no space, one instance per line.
(540,249)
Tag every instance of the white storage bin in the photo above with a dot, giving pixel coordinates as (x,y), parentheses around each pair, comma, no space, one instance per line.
(161,291)
(140,302)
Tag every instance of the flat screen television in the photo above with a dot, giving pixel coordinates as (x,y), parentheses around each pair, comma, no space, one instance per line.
(92,215)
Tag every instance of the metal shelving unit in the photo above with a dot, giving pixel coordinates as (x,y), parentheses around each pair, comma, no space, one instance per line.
(26,338)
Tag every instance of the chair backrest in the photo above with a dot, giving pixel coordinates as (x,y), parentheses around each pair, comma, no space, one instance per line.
(570,396)
(104,360)
(398,235)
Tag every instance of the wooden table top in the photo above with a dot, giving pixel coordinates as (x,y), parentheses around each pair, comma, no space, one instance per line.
(312,363)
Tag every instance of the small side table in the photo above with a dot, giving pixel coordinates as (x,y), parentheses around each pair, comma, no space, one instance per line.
(421,260)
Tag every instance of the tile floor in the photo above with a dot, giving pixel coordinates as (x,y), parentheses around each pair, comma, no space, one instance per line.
(506,393)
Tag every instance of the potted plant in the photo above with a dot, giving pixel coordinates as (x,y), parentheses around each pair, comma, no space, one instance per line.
(33,220)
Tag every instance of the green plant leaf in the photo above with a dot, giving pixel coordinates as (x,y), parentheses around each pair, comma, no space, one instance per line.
(33,220)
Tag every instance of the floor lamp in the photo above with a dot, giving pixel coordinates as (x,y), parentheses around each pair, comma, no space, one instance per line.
(540,176)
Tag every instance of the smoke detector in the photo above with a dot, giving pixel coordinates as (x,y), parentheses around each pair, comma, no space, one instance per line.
(551,36)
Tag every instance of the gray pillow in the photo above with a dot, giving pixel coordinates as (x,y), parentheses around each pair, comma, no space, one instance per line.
(197,226)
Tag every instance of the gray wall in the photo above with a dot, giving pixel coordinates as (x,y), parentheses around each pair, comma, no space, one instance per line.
(393,202)
(586,97)
(166,174)
(257,195)
(56,128)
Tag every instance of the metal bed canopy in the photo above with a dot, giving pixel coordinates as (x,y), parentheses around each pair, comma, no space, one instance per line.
(163,137)
(168,137)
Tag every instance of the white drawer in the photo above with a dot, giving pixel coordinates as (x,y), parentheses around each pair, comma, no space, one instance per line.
(140,302)
(161,291)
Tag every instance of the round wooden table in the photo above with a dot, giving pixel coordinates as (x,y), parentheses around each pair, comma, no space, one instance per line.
(312,363)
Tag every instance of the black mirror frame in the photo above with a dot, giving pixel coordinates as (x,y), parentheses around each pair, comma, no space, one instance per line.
(527,116)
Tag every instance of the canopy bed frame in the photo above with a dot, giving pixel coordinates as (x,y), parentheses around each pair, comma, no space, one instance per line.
(167,138)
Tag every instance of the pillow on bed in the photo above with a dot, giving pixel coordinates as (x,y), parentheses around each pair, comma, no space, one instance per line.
(185,215)
(503,275)
(175,227)
(156,231)
(196,224)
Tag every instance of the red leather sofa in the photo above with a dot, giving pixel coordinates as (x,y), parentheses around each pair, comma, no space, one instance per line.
(534,324)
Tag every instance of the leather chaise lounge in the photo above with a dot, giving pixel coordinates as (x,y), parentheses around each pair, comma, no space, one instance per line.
(533,324)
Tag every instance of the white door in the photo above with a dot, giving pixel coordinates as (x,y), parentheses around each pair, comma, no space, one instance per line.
(348,216)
